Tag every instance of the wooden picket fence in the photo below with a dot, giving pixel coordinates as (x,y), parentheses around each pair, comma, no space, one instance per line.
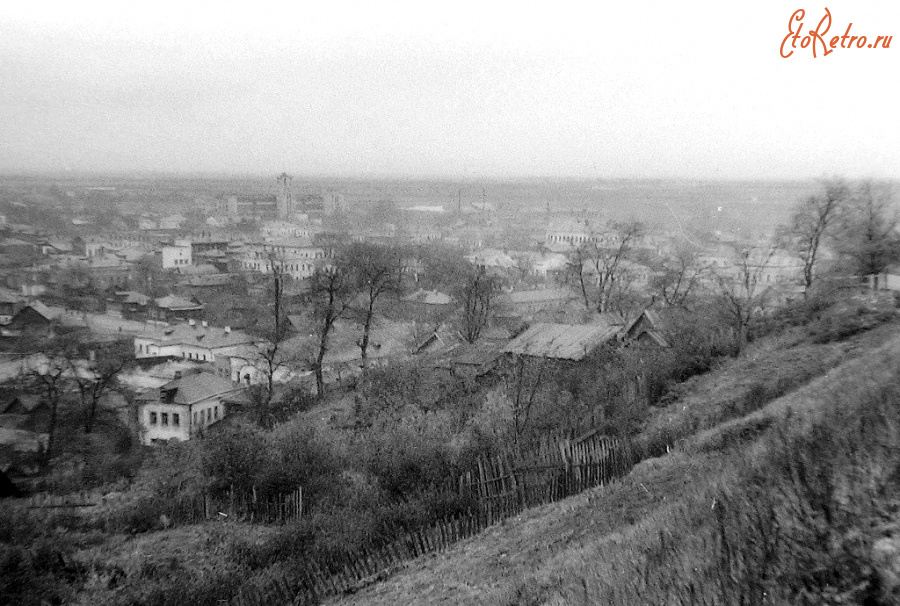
(75,500)
(501,486)
(279,509)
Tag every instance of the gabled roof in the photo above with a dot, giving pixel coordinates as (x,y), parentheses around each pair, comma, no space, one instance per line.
(46,312)
(196,387)
(563,341)
(28,401)
(652,331)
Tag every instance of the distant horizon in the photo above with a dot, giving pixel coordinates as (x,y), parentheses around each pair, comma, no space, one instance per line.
(223,175)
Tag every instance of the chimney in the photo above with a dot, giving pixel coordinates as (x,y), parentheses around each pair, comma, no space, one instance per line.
(177,375)
(204,323)
(192,322)
(227,330)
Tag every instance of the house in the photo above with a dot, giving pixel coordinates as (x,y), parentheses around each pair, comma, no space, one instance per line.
(530,302)
(564,342)
(172,308)
(34,318)
(129,304)
(186,406)
(475,360)
(889,279)
(26,411)
(176,256)
(10,304)
(190,342)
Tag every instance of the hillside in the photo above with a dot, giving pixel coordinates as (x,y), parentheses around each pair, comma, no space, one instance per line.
(625,542)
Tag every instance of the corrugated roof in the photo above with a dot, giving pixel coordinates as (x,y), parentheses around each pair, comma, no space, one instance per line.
(562,341)
(201,386)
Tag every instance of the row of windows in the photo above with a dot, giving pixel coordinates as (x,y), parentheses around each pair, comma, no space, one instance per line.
(194,356)
(163,419)
(206,415)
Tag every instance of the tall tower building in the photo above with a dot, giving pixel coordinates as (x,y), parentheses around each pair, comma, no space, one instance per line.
(285,198)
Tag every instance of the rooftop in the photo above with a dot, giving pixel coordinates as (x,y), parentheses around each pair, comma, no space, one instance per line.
(211,337)
(563,341)
(200,386)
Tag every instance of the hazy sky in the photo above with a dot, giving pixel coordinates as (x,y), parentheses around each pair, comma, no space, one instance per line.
(456,89)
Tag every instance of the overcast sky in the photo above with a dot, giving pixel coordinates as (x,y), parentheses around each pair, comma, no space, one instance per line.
(446,89)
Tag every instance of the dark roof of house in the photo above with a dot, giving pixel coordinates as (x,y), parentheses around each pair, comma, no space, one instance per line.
(478,354)
(563,341)
(46,312)
(28,401)
(200,386)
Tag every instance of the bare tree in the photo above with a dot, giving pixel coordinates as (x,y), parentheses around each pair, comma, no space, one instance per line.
(813,218)
(743,291)
(50,373)
(332,292)
(522,381)
(599,264)
(678,278)
(274,328)
(372,268)
(479,297)
(94,375)
(576,263)
(867,233)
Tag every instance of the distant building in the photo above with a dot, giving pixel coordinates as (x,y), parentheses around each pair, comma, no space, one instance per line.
(191,342)
(176,256)
(296,257)
(187,406)
(175,309)
(34,318)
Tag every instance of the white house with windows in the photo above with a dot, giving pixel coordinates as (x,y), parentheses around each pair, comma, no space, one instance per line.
(176,256)
(187,406)
(296,257)
(191,342)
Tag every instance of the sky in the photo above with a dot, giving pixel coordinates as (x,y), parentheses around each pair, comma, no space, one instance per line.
(694,90)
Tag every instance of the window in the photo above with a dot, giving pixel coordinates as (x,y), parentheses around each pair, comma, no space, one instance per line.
(216,412)
(164,419)
(195,418)
(203,416)
(153,418)
(176,419)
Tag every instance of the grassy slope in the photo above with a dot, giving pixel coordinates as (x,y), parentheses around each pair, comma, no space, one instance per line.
(547,555)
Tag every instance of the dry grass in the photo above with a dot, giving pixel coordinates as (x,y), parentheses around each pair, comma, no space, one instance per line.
(657,537)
